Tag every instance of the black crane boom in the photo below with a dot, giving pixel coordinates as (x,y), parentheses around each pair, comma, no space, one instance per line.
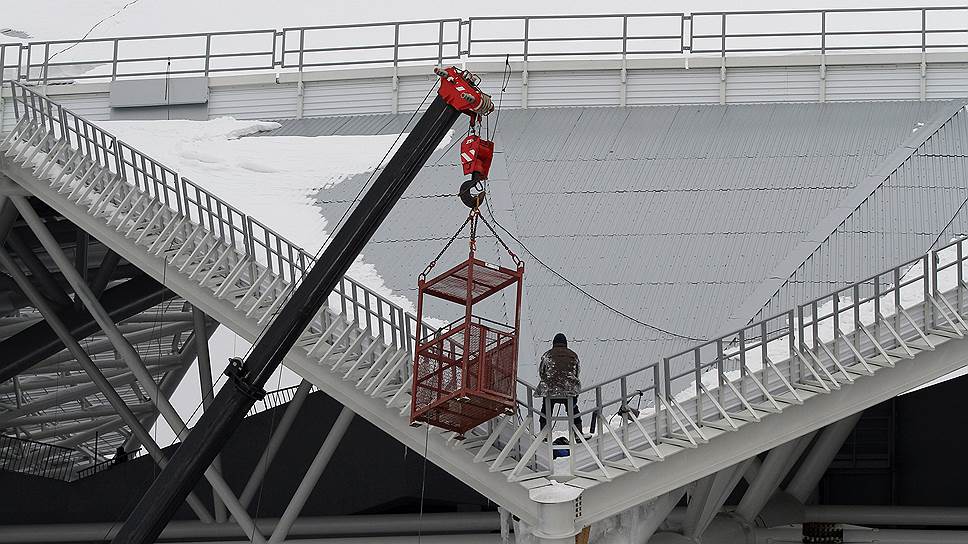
(220,420)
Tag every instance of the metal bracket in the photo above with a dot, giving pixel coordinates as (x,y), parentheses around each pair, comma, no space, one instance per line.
(238,374)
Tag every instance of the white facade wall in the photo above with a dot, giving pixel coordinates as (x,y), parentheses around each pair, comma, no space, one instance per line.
(773,84)
(673,86)
(266,101)
(885,82)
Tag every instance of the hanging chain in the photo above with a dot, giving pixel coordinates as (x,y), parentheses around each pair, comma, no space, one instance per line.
(517,261)
(433,263)
(472,219)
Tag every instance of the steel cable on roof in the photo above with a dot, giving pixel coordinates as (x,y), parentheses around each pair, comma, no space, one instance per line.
(585,292)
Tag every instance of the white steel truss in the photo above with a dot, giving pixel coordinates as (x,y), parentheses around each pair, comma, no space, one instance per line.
(767,384)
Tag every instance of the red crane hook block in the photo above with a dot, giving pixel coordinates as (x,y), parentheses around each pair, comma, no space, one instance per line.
(475,156)
(459,89)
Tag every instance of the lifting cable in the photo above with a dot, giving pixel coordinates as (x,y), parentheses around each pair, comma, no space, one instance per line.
(585,292)
(346,212)
(472,218)
(547,266)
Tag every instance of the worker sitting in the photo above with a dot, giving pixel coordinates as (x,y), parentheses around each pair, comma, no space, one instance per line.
(559,383)
(120,456)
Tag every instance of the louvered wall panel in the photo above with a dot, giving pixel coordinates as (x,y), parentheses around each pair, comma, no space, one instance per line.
(673,86)
(354,96)
(589,88)
(773,84)
(890,82)
(413,89)
(272,101)
(93,106)
(947,81)
(491,83)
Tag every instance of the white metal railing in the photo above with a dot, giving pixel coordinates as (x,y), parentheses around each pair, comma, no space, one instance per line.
(358,303)
(535,37)
(818,346)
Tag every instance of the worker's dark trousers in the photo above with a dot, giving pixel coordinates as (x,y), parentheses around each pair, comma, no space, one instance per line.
(548,406)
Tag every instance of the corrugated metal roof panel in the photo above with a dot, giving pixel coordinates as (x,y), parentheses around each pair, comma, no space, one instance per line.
(922,203)
(671,214)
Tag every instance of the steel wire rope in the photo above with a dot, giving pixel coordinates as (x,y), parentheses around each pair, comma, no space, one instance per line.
(291,292)
(315,257)
(949,223)
(89,31)
(346,213)
(423,485)
(585,292)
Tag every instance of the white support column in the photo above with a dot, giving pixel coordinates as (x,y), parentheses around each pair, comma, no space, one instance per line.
(505,524)
(708,498)
(624,84)
(300,95)
(130,356)
(820,457)
(557,510)
(722,80)
(655,513)
(395,89)
(63,333)
(924,76)
(753,469)
(524,85)
(275,441)
(823,79)
(312,475)
(207,391)
(774,468)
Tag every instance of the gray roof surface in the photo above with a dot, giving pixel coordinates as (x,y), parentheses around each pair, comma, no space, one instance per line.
(920,205)
(672,214)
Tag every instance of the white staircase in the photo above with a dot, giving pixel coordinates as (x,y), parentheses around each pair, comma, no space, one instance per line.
(697,412)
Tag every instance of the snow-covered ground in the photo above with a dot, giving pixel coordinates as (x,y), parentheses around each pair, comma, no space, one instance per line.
(271,179)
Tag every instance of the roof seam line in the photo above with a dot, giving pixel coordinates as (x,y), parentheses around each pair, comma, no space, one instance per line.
(838,216)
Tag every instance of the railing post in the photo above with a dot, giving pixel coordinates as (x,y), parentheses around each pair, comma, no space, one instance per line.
(823,56)
(722,64)
(46,70)
(598,414)
(742,362)
(927,262)
(623,89)
(720,369)
(699,385)
(114,60)
(624,408)
(440,44)
(665,388)
(208,52)
(897,300)
(395,82)
(524,66)
(30,52)
(961,279)
(792,333)
(924,54)
(855,293)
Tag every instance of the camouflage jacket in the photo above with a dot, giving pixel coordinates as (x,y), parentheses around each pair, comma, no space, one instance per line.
(558,371)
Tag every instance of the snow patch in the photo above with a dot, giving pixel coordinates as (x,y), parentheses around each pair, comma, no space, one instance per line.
(274,180)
